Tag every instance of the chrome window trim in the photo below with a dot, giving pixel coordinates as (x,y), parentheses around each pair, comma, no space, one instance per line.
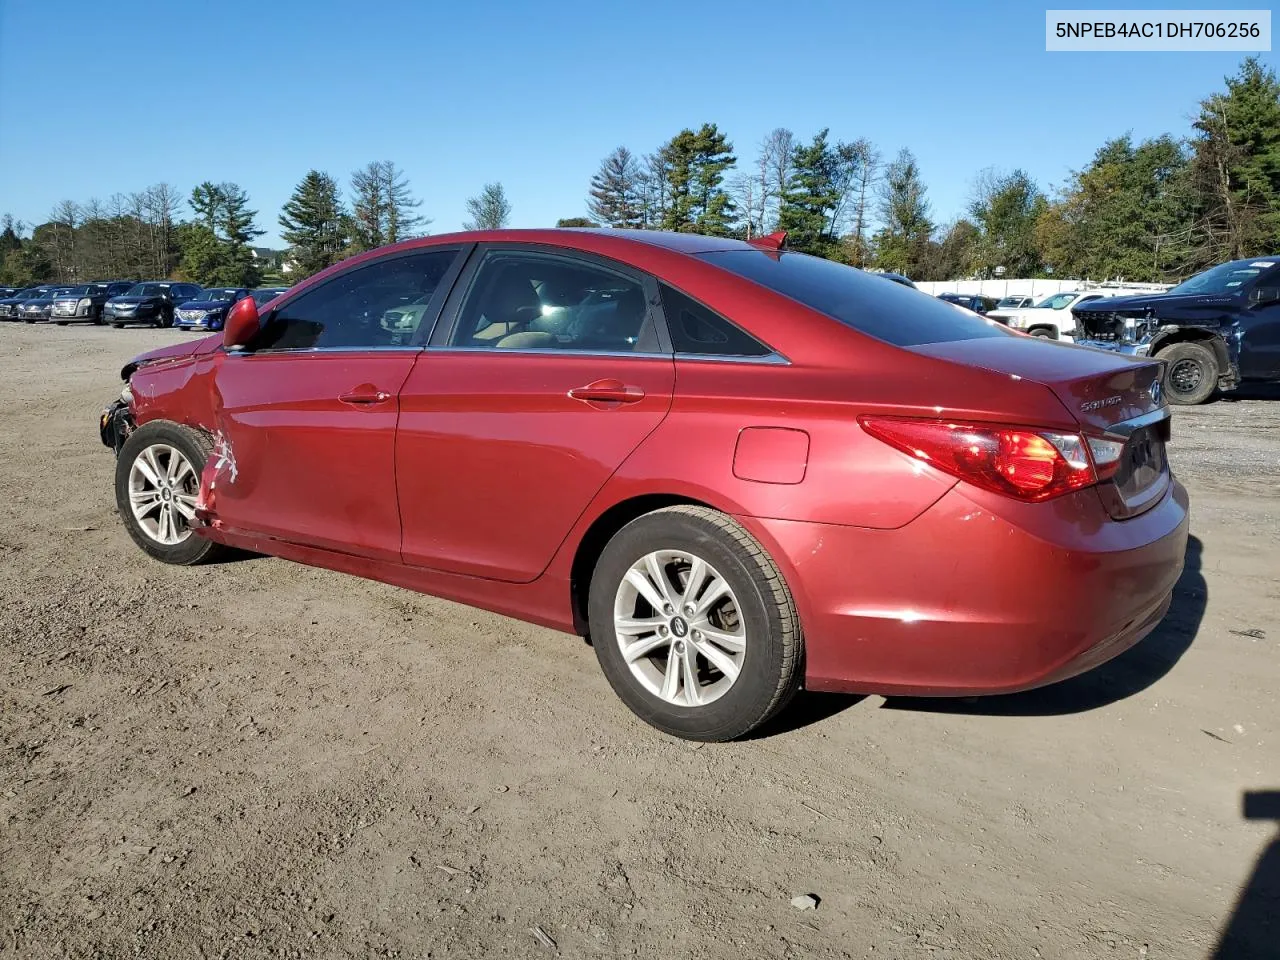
(773,359)
(270,351)
(549,352)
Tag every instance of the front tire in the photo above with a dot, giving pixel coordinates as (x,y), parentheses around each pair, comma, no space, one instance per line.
(157,483)
(1190,373)
(693,625)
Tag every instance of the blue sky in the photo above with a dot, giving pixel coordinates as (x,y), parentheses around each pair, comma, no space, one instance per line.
(99,97)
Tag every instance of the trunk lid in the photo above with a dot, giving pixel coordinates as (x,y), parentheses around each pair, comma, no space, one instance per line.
(1111,396)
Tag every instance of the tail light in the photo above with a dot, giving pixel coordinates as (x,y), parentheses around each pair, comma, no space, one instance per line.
(1026,464)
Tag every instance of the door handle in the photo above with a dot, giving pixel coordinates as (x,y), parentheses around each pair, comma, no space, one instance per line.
(364,395)
(607,391)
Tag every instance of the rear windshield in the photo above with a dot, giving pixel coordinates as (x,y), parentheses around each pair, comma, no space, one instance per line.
(887,311)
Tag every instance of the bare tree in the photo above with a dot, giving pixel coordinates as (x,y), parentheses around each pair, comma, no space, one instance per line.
(383,207)
(61,243)
(745,191)
(862,190)
(162,204)
(654,188)
(776,153)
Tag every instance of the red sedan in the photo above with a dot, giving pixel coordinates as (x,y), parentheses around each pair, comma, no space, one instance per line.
(740,470)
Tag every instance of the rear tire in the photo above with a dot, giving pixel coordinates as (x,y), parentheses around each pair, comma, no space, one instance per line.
(157,482)
(1190,373)
(118,326)
(730,634)
(61,323)
(1043,333)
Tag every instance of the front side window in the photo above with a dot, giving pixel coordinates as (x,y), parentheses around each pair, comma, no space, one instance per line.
(695,329)
(535,301)
(380,304)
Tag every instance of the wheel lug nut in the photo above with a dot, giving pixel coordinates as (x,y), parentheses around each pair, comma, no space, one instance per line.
(696,635)
(662,631)
(668,609)
(688,609)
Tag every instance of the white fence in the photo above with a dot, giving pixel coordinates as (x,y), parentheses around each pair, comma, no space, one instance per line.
(1037,288)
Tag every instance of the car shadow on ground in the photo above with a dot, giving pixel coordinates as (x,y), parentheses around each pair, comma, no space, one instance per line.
(1132,672)
(1253,930)
(1251,391)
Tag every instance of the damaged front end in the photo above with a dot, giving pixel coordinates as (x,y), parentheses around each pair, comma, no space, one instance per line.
(116,421)
(1130,332)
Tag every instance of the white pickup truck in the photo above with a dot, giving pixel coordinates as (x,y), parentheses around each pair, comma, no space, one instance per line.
(1051,318)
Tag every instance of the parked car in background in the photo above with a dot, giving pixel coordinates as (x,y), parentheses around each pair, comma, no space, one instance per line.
(970,301)
(153,302)
(7,292)
(9,305)
(37,309)
(739,469)
(1215,331)
(1015,303)
(264,295)
(85,302)
(208,310)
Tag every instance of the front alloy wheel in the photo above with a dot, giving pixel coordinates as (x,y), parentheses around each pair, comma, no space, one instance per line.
(157,486)
(162,493)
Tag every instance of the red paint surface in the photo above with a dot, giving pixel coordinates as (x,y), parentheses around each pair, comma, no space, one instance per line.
(481,473)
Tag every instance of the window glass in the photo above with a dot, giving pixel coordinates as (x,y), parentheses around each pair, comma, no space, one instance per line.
(863,301)
(377,305)
(696,329)
(534,301)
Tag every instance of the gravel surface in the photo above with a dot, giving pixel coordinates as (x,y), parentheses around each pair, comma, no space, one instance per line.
(259,759)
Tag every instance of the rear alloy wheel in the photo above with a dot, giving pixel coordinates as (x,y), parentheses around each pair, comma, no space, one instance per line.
(157,484)
(693,625)
(1191,373)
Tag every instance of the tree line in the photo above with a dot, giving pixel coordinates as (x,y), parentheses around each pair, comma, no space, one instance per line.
(1158,209)
(1154,210)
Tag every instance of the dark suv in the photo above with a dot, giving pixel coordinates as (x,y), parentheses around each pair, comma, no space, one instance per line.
(86,301)
(970,301)
(1214,331)
(152,302)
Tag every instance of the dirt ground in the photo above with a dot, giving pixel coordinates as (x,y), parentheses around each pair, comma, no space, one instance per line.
(259,759)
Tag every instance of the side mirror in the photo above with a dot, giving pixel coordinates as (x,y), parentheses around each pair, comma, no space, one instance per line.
(242,324)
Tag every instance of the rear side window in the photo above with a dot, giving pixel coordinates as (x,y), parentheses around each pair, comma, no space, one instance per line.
(867,303)
(697,330)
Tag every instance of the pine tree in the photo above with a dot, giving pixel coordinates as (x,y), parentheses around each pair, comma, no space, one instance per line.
(810,197)
(218,253)
(615,194)
(694,165)
(490,210)
(238,233)
(314,224)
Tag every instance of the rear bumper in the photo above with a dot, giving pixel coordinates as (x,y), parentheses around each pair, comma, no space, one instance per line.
(978,596)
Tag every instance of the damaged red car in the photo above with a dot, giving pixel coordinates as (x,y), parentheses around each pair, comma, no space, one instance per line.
(739,470)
